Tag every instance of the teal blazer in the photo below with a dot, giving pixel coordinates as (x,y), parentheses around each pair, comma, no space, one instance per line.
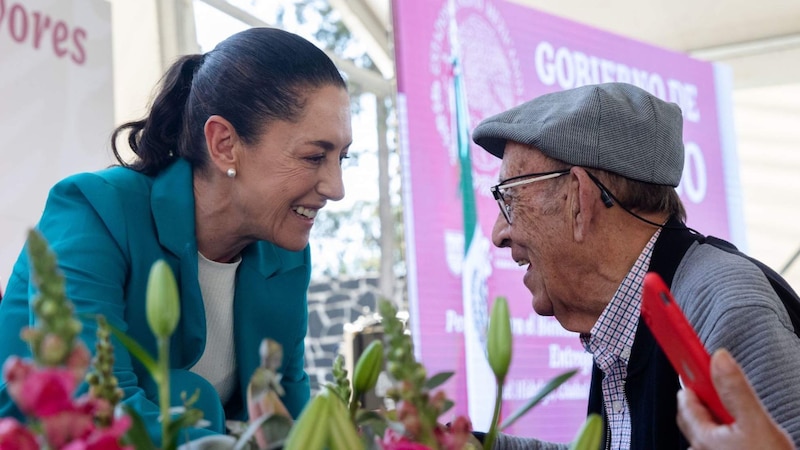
(107,229)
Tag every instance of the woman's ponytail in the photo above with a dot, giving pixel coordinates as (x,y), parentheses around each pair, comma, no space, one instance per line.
(156,138)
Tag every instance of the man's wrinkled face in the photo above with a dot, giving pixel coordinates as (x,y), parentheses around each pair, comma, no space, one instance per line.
(540,232)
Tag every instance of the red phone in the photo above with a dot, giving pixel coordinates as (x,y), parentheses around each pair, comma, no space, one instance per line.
(680,343)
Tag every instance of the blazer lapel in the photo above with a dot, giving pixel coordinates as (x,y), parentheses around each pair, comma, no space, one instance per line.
(266,282)
(172,205)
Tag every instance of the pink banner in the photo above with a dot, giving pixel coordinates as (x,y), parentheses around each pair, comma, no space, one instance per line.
(511,54)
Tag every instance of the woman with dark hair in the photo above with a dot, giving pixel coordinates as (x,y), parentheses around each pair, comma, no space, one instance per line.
(240,150)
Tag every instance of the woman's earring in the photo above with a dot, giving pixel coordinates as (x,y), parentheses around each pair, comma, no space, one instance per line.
(231,173)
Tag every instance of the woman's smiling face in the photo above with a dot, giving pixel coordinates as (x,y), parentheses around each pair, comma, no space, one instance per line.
(286,177)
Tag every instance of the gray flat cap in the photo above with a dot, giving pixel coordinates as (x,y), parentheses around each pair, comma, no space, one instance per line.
(616,127)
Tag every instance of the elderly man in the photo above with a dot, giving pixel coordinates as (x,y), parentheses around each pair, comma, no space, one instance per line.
(588,204)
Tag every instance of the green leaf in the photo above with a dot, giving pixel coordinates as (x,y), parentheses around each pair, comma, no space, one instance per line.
(371,423)
(447,405)
(187,419)
(372,438)
(365,416)
(437,380)
(341,383)
(590,435)
(137,434)
(543,392)
(137,351)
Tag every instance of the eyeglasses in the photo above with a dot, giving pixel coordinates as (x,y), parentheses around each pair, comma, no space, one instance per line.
(499,190)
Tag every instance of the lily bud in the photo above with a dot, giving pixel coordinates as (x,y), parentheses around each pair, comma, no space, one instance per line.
(163,310)
(499,339)
(368,367)
(342,433)
(310,431)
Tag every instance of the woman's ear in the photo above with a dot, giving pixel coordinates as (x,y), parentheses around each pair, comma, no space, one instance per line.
(221,140)
(586,203)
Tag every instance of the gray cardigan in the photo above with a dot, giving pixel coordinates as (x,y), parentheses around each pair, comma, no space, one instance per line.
(731,304)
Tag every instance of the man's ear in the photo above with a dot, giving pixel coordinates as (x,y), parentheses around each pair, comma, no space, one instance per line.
(221,140)
(585,203)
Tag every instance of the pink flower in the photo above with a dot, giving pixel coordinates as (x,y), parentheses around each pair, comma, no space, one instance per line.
(15,371)
(455,436)
(409,416)
(47,392)
(405,445)
(395,441)
(67,426)
(75,428)
(103,438)
(78,361)
(14,436)
(39,392)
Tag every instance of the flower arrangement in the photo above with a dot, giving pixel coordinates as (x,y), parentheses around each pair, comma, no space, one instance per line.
(44,386)
(414,424)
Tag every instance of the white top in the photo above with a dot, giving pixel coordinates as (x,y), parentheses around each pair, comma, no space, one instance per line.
(218,362)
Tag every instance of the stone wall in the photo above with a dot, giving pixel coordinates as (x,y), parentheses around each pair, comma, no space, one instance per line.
(332,303)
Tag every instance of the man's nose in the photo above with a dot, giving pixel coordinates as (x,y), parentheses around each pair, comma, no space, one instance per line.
(500,232)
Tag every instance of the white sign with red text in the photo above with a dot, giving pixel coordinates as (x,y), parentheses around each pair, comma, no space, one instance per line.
(56,105)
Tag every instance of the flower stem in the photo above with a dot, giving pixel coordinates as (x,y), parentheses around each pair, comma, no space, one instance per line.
(163,387)
(354,403)
(488,441)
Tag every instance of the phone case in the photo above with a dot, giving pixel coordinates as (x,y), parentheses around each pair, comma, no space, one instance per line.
(680,343)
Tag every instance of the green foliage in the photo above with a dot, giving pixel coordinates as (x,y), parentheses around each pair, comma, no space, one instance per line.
(411,378)
(590,435)
(438,379)
(137,435)
(310,431)
(533,401)
(54,337)
(163,310)
(341,384)
(137,351)
(101,379)
(401,363)
(329,31)
(498,348)
(324,423)
(275,428)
